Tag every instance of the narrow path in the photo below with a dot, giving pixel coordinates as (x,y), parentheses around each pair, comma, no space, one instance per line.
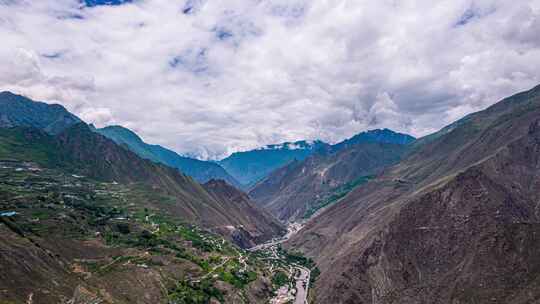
(227,259)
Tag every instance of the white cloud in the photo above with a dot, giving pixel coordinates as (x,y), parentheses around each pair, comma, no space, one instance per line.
(238,74)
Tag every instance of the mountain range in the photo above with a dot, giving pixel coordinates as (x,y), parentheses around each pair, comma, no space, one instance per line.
(302,187)
(84,219)
(77,149)
(455,221)
(97,215)
(248,167)
(201,171)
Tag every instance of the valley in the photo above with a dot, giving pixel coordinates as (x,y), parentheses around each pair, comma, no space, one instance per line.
(454,221)
(269,152)
(88,242)
(380,217)
(299,275)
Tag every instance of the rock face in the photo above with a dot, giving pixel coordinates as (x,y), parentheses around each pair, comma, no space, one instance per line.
(16,110)
(300,188)
(454,222)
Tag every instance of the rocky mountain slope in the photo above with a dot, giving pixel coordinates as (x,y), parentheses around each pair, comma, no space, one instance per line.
(300,188)
(249,167)
(201,171)
(256,226)
(455,222)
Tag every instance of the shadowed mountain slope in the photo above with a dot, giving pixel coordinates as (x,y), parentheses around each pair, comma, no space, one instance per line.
(454,222)
(256,225)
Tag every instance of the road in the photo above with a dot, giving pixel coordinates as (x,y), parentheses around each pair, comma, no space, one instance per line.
(302,280)
(302,285)
(227,259)
(292,229)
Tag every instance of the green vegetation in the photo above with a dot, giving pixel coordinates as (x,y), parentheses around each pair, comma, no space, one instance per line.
(314,275)
(336,195)
(299,259)
(186,292)
(233,273)
(279,279)
(102,268)
(50,202)
(23,144)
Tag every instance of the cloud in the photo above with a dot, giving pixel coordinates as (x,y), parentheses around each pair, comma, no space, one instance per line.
(209,78)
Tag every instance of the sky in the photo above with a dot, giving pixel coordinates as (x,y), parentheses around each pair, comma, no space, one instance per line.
(208,78)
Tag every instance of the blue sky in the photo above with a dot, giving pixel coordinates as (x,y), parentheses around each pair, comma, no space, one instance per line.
(104,2)
(212,77)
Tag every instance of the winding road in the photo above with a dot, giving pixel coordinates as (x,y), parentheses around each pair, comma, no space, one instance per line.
(302,285)
(303,278)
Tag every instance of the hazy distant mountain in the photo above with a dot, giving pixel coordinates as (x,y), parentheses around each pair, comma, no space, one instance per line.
(17,110)
(301,188)
(202,171)
(456,221)
(251,166)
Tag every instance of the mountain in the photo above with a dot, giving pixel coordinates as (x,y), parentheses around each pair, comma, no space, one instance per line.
(86,220)
(17,110)
(79,150)
(202,171)
(248,167)
(384,136)
(301,188)
(256,226)
(455,221)
(66,238)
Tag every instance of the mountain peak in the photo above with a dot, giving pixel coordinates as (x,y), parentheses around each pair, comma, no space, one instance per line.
(124,132)
(249,167)
(7,93)
(300,144)
(20,111)
(385,136)
(217,185)
(216,182)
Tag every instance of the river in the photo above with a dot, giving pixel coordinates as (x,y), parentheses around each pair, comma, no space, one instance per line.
(303,277)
